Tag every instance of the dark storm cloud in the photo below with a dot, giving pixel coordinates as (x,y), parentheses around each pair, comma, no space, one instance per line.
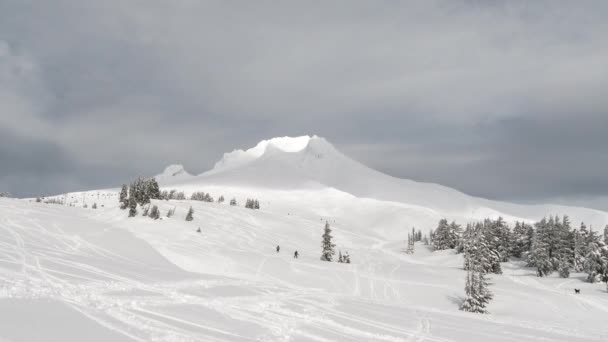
(500,99)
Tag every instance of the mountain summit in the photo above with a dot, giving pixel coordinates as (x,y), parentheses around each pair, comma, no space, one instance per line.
(313,163)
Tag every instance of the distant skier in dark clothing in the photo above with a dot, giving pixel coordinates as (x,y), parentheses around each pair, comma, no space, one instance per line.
(278,248)
(295,255)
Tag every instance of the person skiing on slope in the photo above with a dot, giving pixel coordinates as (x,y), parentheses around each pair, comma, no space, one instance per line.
(278,248)
(295,255)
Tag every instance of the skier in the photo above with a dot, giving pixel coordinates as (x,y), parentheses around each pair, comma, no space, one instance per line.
(295,255)
(278,248)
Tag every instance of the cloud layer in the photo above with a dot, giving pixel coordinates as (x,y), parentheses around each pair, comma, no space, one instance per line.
(505,101)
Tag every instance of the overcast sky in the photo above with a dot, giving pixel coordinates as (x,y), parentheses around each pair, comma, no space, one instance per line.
(505,100)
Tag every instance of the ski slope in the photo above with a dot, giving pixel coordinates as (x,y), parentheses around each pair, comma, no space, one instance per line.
(74,274)
(69,273)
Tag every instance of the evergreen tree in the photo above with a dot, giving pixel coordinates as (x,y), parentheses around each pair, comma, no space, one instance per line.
(233,202)
(478,255)
(346,258)
(410,244)
(565,247)
(455,232)
(501,235)
(327,246)
(94,205)
(580,248)
(189,216)
(442,238)
(153,189)
(154,213)
(123,198)
(477,292)
(564,268)
(541,250)
(132,206)
(606,235)
(520,240)
(146,211)
(171,212)
(596,262)
(340,260)
(220,199)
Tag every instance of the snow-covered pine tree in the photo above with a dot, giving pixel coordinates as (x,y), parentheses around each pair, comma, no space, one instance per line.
(171,212)
(477,292)
(189,215)
(154,213)
(146,211)
(153,189)
(256,204)
(596,263)
(606,235)
(233,202)
(410,244)
(565,247)
(541,249)
(580,247)
(94,206)
(442,238)
(123,198)
(132,206)
(502,235)
(518,241)
(477,253)
(327,246)
(220,199)
(340,260)
(455,232)
(564,268)
(346,258)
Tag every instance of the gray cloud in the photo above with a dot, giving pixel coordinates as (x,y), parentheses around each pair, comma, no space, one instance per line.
(504,100)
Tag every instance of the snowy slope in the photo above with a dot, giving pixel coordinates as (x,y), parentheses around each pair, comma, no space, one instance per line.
(83,274)
(313,163)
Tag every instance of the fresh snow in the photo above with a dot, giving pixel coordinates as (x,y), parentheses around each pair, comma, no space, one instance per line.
(70,274)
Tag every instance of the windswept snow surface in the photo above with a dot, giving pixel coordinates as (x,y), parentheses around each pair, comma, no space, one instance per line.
(69,273)
(73,274)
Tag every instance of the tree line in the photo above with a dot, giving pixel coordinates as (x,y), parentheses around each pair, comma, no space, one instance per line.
(549,245)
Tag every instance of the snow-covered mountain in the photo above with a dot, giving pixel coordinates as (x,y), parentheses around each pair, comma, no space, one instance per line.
(79,268)
(311,162)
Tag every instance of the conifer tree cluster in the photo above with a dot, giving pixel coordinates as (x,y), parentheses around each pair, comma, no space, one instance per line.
(141,191)
(252,204)
(550,245)
(220,199)
(201,196)
(343,258)
(233,202)
(410,249)
(446,236)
